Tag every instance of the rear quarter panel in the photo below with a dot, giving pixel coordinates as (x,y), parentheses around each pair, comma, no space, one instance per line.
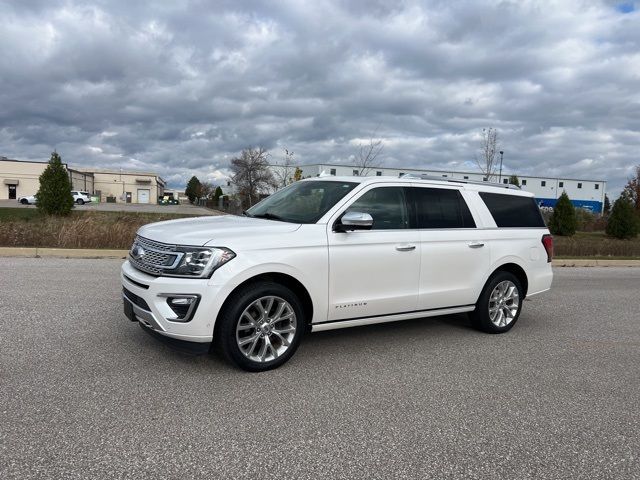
(520,246)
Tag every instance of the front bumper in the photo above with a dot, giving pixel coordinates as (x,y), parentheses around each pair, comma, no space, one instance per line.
(145,301)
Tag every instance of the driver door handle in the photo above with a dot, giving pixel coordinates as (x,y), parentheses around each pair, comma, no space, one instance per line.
(405,248)
(476,245)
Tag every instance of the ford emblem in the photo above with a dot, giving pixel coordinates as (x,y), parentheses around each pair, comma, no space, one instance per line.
(137,252)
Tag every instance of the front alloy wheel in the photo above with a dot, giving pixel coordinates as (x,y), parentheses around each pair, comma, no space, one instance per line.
(260,326)
(266,329)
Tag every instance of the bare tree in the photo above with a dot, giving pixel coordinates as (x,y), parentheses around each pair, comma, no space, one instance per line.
(251,174)
(632,189)
(206,189)
(367,157)
(488,158)
(284,172)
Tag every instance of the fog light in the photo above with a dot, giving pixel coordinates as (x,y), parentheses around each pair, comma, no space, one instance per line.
(184,306)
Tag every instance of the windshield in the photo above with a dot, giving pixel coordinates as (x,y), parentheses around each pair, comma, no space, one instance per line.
(301,202)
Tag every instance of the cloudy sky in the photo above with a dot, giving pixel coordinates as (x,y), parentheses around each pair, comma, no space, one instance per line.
(181,87)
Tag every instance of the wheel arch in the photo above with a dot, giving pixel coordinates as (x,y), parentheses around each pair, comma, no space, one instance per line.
(276,277)
(515,270)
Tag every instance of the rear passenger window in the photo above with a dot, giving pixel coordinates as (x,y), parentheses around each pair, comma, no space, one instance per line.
(441,208)
(513,210)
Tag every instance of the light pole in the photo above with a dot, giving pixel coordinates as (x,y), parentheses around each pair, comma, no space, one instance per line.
(500,178)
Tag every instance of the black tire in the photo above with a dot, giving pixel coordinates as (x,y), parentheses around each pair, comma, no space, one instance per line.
(80,201)
(481,318)
(24,201)
(227,323)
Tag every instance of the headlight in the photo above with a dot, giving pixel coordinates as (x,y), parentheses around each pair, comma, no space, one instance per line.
(200,262)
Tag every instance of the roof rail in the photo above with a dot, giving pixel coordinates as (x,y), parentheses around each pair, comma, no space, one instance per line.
(457,180)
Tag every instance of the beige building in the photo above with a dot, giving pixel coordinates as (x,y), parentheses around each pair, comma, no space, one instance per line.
(22,178)
(19,179)
(81,181)
(125,186)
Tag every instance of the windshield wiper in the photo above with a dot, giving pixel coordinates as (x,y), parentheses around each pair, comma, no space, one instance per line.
(269,216)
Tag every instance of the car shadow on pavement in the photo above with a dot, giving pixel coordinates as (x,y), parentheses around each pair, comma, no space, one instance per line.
(442,325)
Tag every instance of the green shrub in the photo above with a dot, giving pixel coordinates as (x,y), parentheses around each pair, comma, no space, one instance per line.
(54,196)
(563,221)
(623,221)
(194,189)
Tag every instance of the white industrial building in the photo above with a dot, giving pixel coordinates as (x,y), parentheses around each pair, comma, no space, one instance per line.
(587,194)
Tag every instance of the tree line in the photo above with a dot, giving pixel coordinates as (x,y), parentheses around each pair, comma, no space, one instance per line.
(622,220)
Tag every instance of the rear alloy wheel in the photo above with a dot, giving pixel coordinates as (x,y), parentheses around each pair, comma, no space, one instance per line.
(260,326)
(499,305)
(80,201)
(24,201)
(504,303)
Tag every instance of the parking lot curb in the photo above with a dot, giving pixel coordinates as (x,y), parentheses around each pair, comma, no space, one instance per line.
(32,252)
(585,262)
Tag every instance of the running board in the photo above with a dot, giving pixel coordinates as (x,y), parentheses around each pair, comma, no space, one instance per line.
(356,322)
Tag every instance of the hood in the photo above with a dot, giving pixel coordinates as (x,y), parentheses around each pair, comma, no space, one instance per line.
(215,230)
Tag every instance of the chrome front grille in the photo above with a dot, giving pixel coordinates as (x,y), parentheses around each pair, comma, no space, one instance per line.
(153,257)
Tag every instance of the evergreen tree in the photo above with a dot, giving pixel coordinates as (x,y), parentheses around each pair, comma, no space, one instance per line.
(563,220)
(54,196)
(297,175)
(193,189)
(623,221)
(218,193)
(607,205)
(514,180)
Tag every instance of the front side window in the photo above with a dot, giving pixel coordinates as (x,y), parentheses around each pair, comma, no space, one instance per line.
(386,205)
(301,202)
(441,208)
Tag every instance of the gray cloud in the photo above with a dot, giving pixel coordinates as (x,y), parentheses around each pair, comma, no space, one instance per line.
(180,88)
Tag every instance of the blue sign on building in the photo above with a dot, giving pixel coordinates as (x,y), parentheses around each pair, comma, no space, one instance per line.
(590,205)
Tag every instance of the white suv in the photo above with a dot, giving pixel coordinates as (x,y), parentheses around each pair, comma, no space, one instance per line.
(334,252)
(81,198)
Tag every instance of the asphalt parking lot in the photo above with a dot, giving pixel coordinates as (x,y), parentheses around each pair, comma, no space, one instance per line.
(87,394)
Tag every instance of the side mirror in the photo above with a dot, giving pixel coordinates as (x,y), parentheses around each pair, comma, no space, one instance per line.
(354,221)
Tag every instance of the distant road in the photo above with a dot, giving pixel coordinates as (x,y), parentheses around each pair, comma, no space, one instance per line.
(128,207)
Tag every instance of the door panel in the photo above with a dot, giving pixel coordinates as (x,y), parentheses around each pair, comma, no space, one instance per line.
(455,255)
(453,267)
(369,276)
(374,272)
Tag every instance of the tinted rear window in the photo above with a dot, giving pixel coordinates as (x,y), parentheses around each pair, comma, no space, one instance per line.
(513,210)
(441,208)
